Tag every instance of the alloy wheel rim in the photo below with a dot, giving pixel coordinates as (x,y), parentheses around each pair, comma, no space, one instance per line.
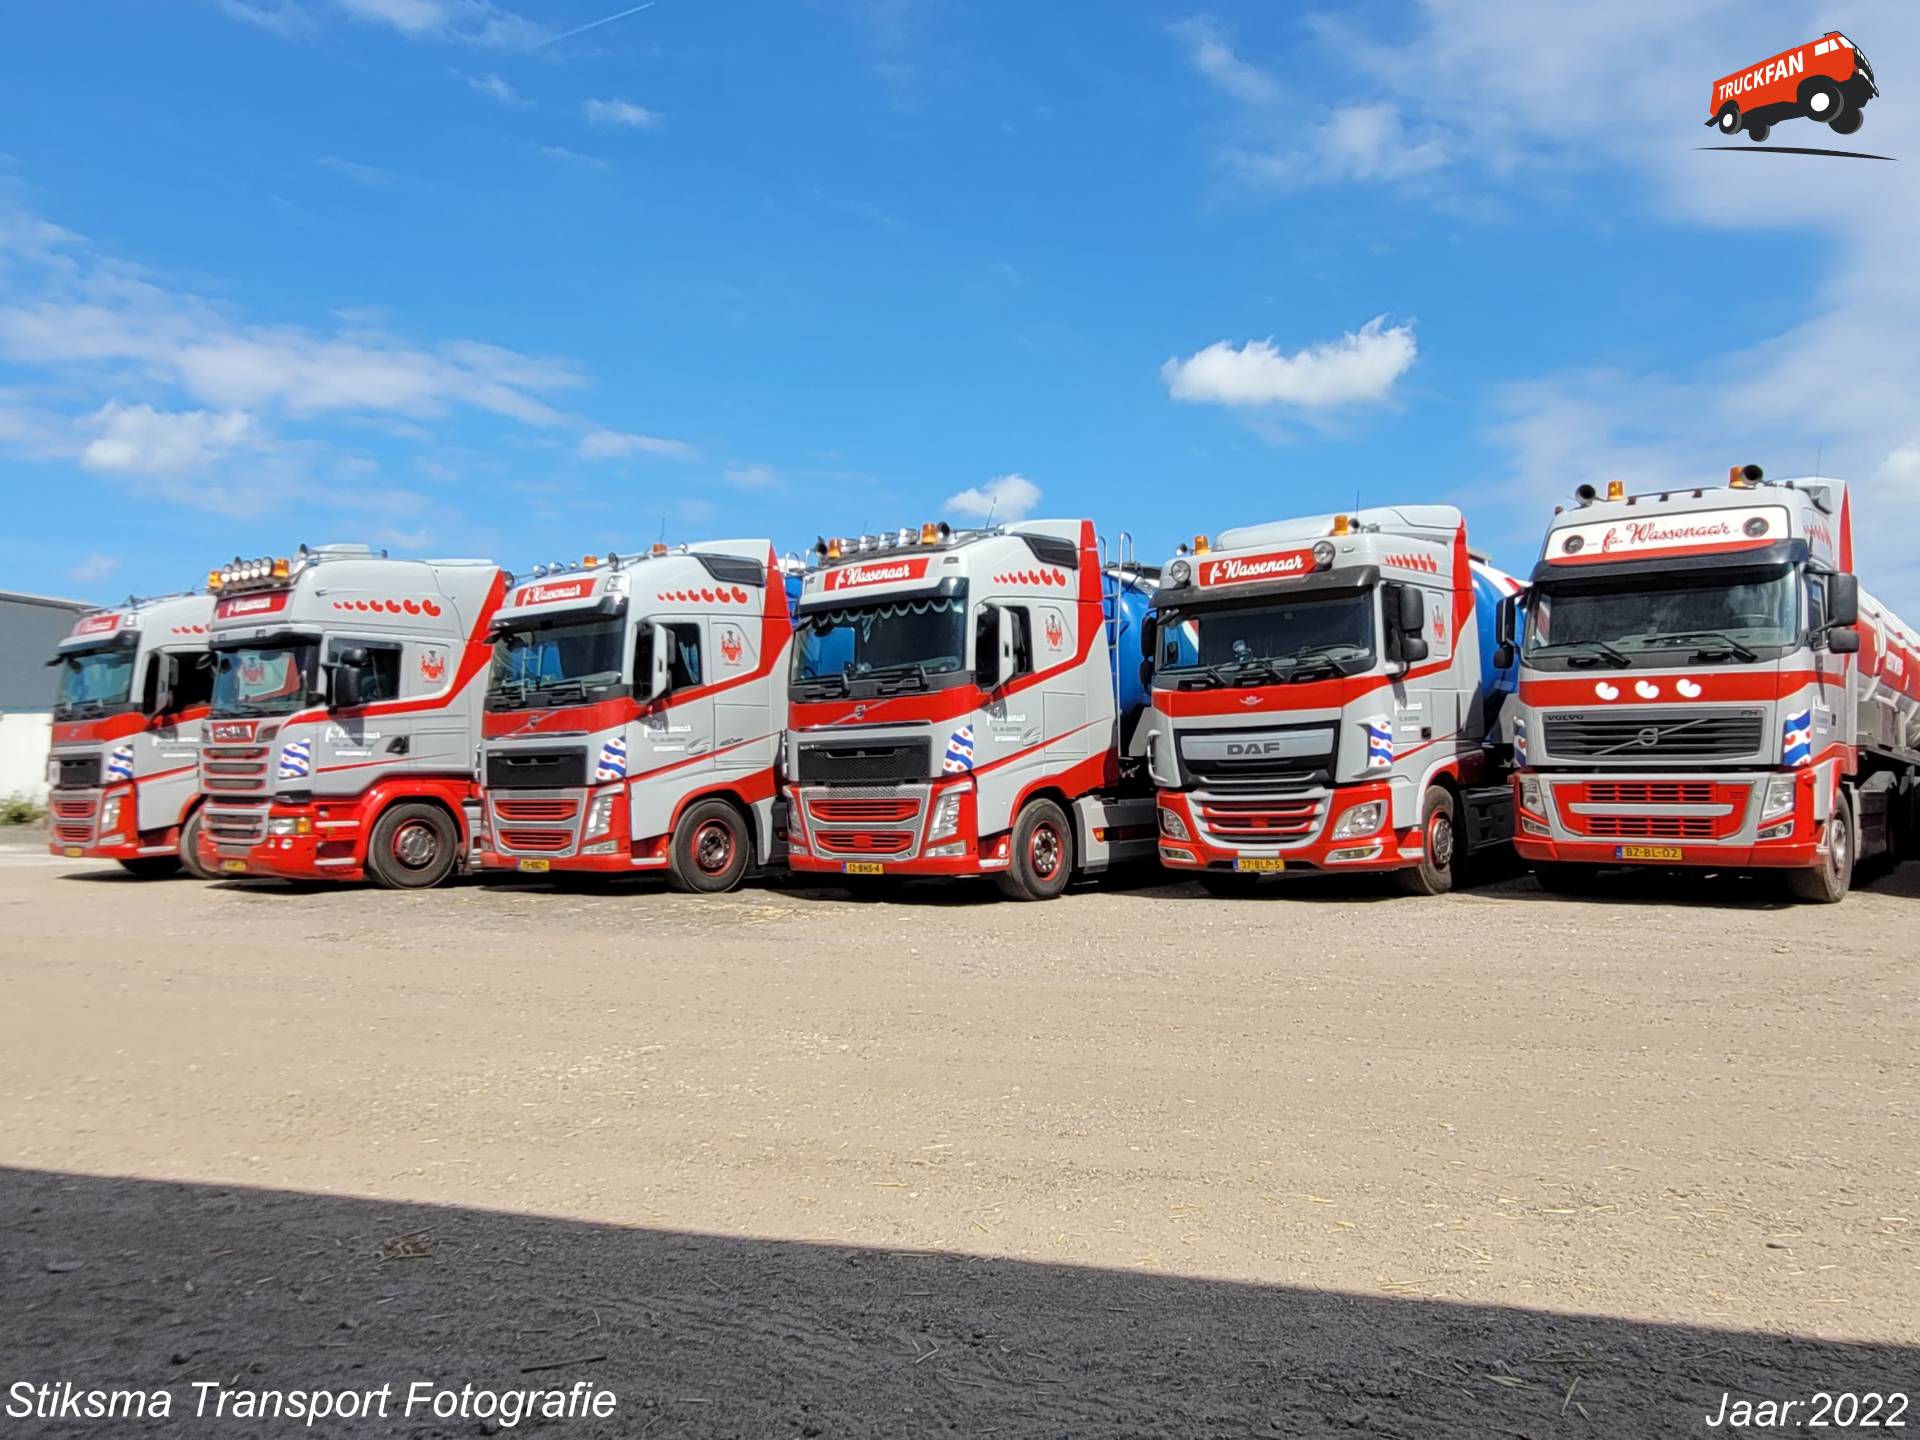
(415,845)
(1044,850)
(713,847)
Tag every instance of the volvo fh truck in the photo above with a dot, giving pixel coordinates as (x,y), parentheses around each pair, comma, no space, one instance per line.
(1705,685)
(345,716)
(1326,698)
(635,714)
(968,702)
(130,700)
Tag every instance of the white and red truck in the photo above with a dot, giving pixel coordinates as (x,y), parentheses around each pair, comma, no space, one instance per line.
(1704,684)
(345,716)
(129,706)
(635,713)
(968,702)
(1326,698)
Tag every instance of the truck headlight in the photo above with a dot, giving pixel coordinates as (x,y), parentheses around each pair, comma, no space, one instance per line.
(600,816)
(1531,796)
(110,813)
(1179,572)
(946,811)
(1172,826)
(1362,819)
(1778,799)
(282,825)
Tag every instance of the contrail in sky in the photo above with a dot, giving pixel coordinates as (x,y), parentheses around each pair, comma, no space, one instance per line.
(592,25)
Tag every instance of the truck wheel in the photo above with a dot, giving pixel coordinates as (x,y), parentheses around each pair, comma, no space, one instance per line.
(1562,878)
(190,848)
(1828,883)
(1758,132)
(152,867)
(1439,866)
(1847,123)
(1728,119)
(1042,854)
(414,847)
(1822,100)
(709,851)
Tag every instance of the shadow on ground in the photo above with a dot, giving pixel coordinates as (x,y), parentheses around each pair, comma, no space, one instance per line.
(129,1283)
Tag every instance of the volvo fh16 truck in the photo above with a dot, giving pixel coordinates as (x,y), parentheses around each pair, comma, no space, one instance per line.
(968,702)
(345,716)
(1325,697)
(1705,685)
(635,714)
(130,699)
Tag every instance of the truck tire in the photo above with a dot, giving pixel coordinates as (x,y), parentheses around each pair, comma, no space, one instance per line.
(1439,867)
(1728,119)
(414,847)
(710,850)
(1848,122)
(190,848)
(152,867)
(1042,854)
(1757,132)
(1828,882)
(1822,101)
(1559,877)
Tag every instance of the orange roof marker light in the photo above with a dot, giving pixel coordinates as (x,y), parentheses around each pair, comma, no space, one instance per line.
(587,562)
(659,549)
(1341,525)
(1201,545)
(1616,490)
(833,548)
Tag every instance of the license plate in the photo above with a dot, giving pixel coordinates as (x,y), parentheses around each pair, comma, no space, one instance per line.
(74,852)
(535,867)
(234,867)
(1648,852)
(863,867)
(1261,865)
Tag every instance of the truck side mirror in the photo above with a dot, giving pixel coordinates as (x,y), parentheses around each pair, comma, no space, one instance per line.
(1505,626)
(661,652)
(1149,637)
(1413,610)
(1843,602)
(1844,640)
(1405,608)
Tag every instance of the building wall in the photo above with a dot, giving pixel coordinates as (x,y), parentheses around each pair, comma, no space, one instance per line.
(30,626)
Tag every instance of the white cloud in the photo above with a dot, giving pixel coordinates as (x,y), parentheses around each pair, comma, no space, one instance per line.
(1213,56)
(495,88)
(139,440)
(370,175)
(620,112)
(1359,368)
(469,22)
(753,476)
(618,444)
(95,567)
(277,17)
(1005,497)
(565,156)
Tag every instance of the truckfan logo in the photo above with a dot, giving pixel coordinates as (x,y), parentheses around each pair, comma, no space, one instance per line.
(1239,569)
(1827,81)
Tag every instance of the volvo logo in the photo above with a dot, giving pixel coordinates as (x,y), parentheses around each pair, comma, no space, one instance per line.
(1649,737)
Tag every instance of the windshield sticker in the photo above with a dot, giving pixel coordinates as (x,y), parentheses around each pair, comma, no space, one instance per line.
(553,594)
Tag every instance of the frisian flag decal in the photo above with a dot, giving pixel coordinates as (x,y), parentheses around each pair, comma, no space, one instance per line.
(1379,742)
(120,763)
(613,761)
(959,751)
(1519,739)
(296,760)
(1797,739)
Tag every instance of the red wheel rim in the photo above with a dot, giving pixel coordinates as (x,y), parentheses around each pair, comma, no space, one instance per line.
(1044,850)
(713,847)
(415,845)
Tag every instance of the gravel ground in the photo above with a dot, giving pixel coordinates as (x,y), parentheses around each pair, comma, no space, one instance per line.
(1140,1161)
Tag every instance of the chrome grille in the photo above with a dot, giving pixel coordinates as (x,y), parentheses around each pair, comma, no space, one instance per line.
(1659,735)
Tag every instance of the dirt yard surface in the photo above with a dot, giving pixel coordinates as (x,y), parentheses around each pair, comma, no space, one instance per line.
(1136,1162)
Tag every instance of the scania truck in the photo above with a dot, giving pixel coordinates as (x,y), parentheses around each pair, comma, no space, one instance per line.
(1325,698)
(1704,685)
(635,713)
(345,716)
(130,699)
(968,702)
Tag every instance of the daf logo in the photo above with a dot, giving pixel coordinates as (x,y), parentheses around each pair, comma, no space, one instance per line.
(1648,737)
(1249,700)
(1255,747)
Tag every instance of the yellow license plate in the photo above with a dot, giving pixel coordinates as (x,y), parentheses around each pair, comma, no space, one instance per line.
(863,867)
(74,852)
(234,867)
(1260,865)
(1648,852)
(535,867)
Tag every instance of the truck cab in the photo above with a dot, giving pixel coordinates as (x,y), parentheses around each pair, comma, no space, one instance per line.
(1325,698)
(346,716)
(131,692)
(967,702)
(1704,684)
(634,715)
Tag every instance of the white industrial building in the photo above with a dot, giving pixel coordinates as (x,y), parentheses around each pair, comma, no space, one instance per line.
(30,626)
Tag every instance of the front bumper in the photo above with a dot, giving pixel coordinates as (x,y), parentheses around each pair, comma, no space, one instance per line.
(238,839)
(543,830)
(887,830)
(75,832)
(1293,831)
(1711,821)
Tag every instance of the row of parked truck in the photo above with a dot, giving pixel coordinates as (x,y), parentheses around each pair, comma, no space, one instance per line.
(1690,678)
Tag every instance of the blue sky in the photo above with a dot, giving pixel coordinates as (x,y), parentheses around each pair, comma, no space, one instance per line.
(441,275)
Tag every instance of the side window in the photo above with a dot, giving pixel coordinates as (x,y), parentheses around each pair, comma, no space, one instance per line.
(686,656)
(1816,605)
(193,682)
(1022,639)
(382,678)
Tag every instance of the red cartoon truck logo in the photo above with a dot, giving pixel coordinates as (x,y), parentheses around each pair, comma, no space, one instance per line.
(1827,81)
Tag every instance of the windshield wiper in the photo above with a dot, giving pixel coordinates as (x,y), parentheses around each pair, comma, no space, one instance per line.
(816,681)
(906,670)
(1728,645)
(1220,679)
(1259,665)
(1601,648)
(1315,667)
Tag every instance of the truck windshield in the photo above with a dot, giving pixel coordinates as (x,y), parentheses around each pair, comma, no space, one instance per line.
(557,660)
(263,679)
(912,641)
(1721,616)
(92,682)
(1269,643)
